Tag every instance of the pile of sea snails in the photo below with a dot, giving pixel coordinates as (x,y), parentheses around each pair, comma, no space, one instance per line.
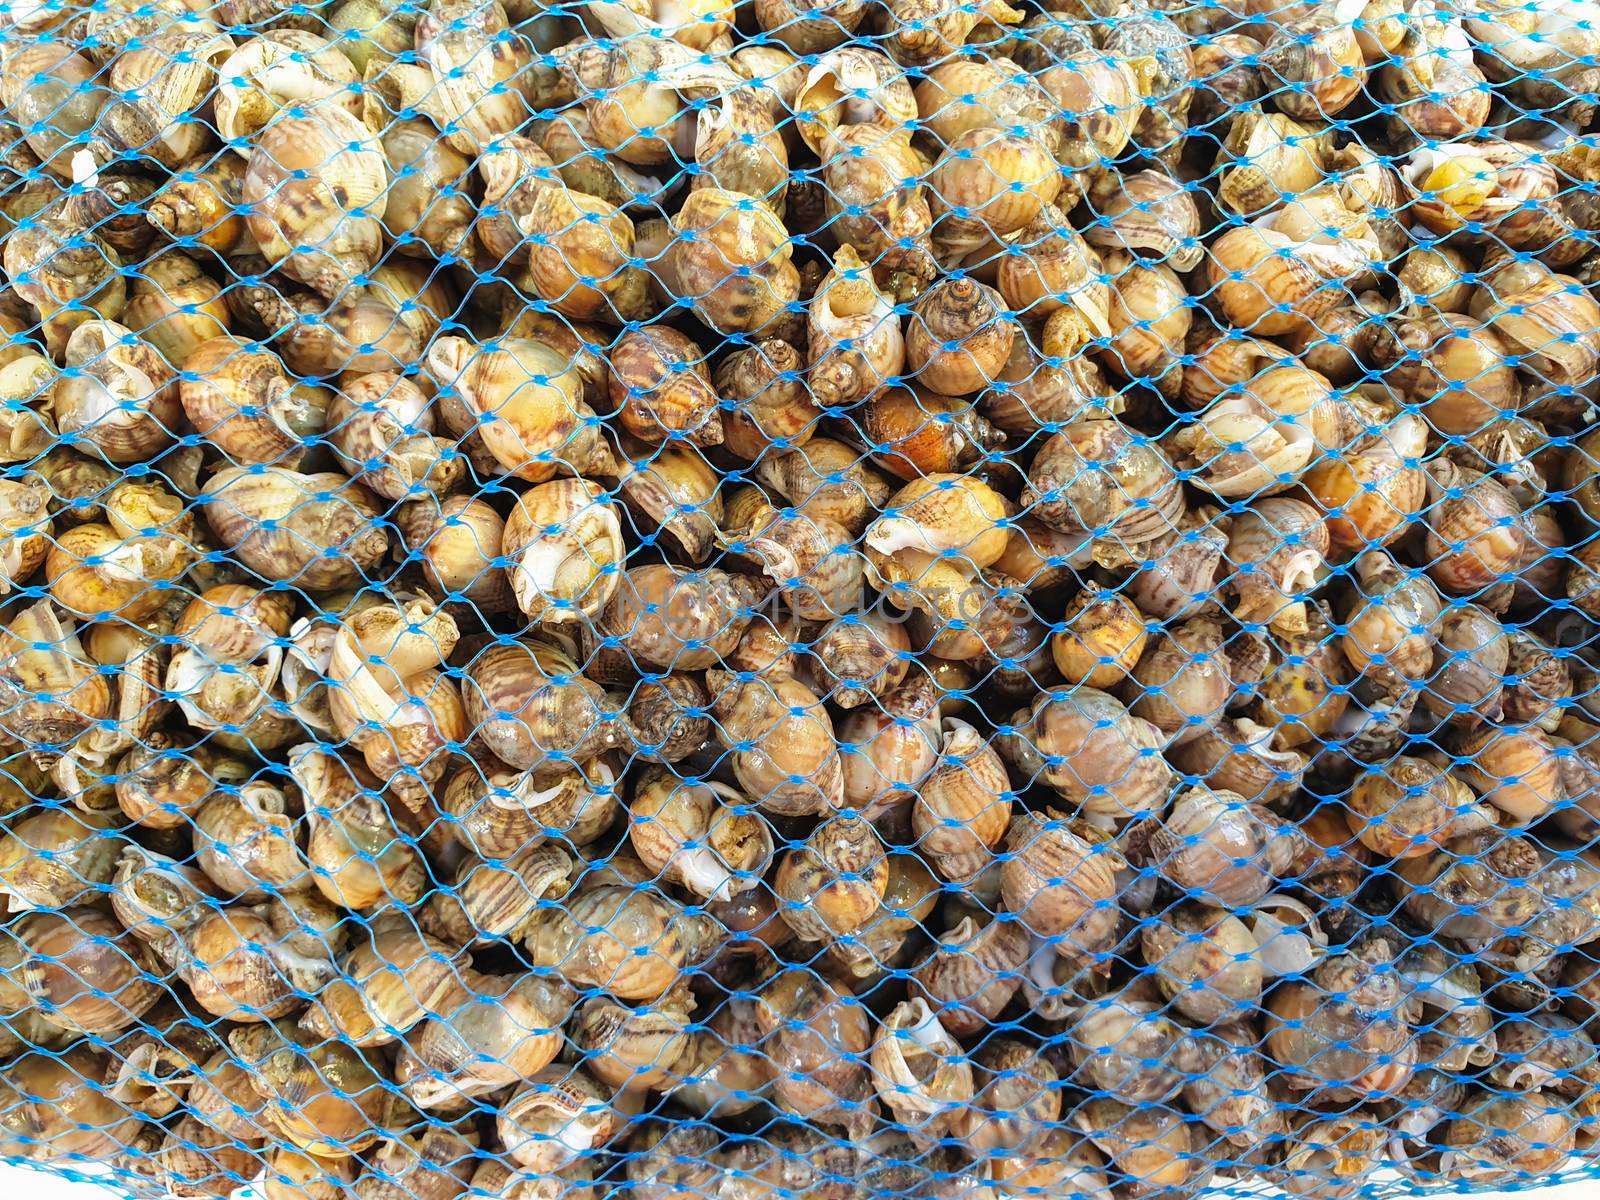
(692,600)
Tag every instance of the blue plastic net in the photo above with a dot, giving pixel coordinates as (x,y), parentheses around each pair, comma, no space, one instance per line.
(693,600)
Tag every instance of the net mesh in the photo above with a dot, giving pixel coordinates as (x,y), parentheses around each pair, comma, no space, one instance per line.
(834,599)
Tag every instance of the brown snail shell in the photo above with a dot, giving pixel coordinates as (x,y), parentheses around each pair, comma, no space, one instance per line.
(1471,665)
(535,712)
(1089,748)
(122,398)
(1061,886)
(1542,1134)
(853,335)
(673,487)
(1100,478)
(1347,1026)
(1018,1098)
(963,807)
(1206,963)
(972,317)
(1221,849)
(922,1073)
(792,766)
(1515,769)
(564,538)
(661,387)
(507,1028)
(382,429)
(1411,807)
(633,944)
(630,1048)
(659,610)
(322,536)
(246,843)
(731,231)
(818,1036)
(971,973)
(704,837)
(392,980)
(528,403)
(865,658)
(365,860)
(889,747)
(669,718)
(833,883)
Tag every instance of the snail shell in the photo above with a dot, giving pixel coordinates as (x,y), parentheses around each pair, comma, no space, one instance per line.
(921,1072)
(1206,963)
(704,837)
(889,747)
(833,883)
(792,765)
(324,229)
(564,540)
(662,389)
(1062,887)
(1100,478)
(963,806)
(971,973)
(505,1028)
(969,316)
(736,270)
(1221,849)
(527,402)
(121,395)
(1018,1100)
(1083,743)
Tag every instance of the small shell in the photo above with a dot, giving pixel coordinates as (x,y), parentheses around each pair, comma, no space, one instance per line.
(318,531)
(963,807)
(246,843)
(1150,215)
(1206,962)
(1062,887)
(1470,667)
(853,335)
(889,747)
(833,883)
(1516,769)
(959,337)
(1411,807)
(673,488)
(922,1074)
(564,540)
(382,430)
(971,973)
(943,513)
(1018,1101)
(786,756)
(120,396)
(526,400)
(1220,849)
(1095,753)
(1277,550)
(506,1028)
(316,187)
(865,658)
(661,387)
(1130,1049)
(703,837)
(1100,478)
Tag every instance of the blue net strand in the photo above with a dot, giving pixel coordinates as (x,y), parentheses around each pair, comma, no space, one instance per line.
(787,600)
